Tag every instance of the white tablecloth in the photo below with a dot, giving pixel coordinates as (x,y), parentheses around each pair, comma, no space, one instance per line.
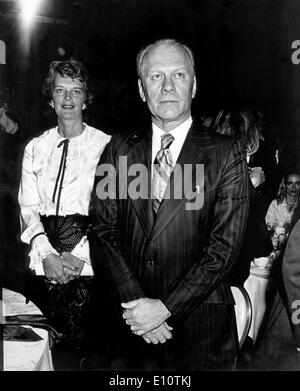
(24,356)
(257,286)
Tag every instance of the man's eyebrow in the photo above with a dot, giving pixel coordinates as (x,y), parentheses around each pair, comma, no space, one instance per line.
(158,69)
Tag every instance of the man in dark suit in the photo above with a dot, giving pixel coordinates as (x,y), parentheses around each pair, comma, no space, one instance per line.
(166,239)
(291,277)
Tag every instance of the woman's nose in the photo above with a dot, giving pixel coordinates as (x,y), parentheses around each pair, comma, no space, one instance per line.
(68,95)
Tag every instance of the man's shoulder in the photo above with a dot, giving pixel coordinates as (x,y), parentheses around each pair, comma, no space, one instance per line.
(208,137)
(227,143)
(222,139)
(126,141)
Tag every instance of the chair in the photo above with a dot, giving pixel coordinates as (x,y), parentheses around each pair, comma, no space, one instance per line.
(243,312)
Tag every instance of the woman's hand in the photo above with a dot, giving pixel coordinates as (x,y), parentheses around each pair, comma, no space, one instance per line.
(55,267)
(257,176)
(76,262)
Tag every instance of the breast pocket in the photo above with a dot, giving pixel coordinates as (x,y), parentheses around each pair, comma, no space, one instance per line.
(204,183)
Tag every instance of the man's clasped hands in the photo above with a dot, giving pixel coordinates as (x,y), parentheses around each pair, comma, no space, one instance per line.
(147,318)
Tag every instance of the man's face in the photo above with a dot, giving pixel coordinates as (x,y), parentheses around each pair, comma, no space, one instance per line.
(168,85)
(293,185)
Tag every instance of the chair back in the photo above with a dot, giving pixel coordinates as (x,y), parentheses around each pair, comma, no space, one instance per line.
(243,312)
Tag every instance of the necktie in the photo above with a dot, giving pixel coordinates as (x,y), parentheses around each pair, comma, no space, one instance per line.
(162,169)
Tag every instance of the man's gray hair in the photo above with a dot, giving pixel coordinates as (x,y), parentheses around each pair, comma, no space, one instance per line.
(168,41)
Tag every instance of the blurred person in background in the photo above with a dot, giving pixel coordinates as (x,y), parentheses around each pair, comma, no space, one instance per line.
(281,210)
(240,124)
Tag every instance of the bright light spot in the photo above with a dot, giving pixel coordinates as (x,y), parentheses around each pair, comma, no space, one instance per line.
(61,51)
(28,10)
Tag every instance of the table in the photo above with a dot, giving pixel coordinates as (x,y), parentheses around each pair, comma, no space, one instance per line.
(24,356)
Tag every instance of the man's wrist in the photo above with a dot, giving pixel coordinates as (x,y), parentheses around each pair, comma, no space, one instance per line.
(166,312)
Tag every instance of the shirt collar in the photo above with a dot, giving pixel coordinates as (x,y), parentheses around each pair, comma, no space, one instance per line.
(75,138)
(179,132)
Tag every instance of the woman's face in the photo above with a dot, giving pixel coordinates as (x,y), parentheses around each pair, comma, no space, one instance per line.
(293,185)
(68,97)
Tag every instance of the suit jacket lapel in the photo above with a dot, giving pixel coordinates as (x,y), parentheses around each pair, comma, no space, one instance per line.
(196,149)
(141,153)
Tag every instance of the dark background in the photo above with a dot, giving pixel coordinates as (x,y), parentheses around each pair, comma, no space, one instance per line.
(242,50)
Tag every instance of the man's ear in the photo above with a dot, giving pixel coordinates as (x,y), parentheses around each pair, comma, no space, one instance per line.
(141,90)
(194,88)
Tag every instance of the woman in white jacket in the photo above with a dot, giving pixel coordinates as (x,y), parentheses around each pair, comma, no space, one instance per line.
(58,173)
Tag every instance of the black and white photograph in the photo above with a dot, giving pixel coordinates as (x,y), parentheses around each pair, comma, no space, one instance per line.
(149,188)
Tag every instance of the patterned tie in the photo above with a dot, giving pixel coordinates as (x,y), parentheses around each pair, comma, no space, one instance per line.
(162,169)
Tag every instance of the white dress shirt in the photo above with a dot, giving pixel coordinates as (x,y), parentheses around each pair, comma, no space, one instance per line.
(39,171)
(179,135)
(278,215)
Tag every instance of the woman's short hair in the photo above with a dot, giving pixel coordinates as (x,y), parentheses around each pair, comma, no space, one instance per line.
(167,41)
(69,68)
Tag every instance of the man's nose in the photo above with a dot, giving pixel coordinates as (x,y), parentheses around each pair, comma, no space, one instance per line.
(168,84)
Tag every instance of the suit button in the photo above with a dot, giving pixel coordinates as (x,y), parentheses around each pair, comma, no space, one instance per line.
(151,264)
